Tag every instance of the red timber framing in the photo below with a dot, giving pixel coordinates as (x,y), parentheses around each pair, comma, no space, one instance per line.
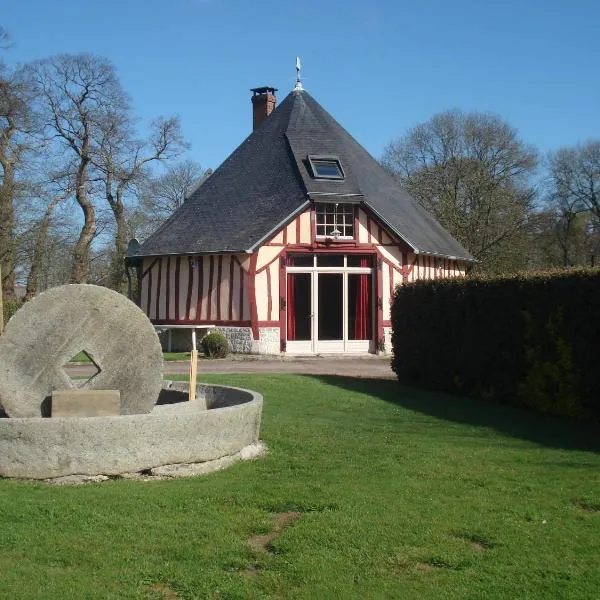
(181,290)
(243,290)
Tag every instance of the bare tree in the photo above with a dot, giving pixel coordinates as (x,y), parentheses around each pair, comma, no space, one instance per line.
(80,93)
(15,141)
(574,181)
(122,161)
(473,174)
(163,194)
(575,176)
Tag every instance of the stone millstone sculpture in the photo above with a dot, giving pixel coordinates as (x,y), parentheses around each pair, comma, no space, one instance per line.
(55,326)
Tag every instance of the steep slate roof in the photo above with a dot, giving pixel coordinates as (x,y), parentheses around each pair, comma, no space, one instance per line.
(266,182)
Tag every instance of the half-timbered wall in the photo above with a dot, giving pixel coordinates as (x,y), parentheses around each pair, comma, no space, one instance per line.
(245,294)
(205,289)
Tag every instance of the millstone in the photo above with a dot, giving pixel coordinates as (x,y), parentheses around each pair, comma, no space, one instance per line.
(56,325)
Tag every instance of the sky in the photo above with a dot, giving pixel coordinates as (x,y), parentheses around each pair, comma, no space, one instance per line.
(379,67)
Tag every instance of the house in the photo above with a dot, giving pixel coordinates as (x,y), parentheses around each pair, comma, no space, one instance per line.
(295,243)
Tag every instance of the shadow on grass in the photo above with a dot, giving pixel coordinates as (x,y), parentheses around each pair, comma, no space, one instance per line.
(549,431)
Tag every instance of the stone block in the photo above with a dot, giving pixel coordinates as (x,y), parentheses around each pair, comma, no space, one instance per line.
(85,403)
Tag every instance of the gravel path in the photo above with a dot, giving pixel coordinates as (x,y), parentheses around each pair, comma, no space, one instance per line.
(363,366)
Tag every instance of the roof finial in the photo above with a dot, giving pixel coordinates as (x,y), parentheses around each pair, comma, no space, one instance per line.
(298,86)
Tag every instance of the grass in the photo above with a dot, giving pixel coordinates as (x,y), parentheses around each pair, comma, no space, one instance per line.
(369,490)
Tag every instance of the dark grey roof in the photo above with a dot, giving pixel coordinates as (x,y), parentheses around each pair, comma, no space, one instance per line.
(267,181)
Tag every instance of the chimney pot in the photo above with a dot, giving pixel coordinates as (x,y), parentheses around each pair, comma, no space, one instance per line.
(263,104)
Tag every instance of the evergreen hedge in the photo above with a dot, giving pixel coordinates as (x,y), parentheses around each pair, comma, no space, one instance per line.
(531,340)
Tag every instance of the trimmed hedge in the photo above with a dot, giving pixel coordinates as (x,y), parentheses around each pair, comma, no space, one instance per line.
(215,345)
(531,340)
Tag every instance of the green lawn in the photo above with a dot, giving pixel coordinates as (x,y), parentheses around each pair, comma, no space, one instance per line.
(397,493)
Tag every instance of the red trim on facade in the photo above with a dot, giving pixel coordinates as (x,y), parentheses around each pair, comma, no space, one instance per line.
(267,265)
(285,235)
(200,271)
(219,280)
(332,247)
(209,292)
(149,299)
(231,280)
(269,295)
(379,300)
(202,322)
(387,323)
(405,270)
(252,295)
(241,309)
(177,284)
(168,288)
(188,300)
(356,224)
(268,323)
(379,233)
(150,267)
(298,237)
(282,303)
(158,284)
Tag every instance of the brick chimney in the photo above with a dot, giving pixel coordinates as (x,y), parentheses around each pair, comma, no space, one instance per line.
(263,104)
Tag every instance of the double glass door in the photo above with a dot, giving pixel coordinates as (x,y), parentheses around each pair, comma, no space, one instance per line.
(330,308)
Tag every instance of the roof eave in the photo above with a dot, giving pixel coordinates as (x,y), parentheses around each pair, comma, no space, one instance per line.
(413,246)
(277,227)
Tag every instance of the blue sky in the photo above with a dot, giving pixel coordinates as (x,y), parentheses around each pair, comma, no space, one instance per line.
(378,67)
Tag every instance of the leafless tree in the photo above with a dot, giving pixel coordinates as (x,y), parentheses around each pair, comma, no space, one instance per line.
(574,181)
(471,171)
(122,161)
(16,140)
(80,93)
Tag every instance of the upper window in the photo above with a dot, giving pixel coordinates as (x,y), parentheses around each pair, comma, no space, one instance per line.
(326,167)
(335,220)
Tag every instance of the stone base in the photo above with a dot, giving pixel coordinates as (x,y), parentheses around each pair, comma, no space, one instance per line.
(250,452)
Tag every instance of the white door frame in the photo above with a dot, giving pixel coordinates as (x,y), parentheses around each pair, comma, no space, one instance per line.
(314,345)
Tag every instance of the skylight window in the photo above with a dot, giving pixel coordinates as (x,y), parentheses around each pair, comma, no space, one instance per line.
(326,167)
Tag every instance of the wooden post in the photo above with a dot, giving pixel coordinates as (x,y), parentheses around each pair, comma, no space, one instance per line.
(1,304)
(193,367)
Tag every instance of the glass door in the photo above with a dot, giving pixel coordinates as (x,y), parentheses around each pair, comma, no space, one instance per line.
(329,303)
(299,313)
(331,314)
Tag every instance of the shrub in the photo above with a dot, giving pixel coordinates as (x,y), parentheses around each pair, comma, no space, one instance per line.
(215,345)
(10,308)
(527,340)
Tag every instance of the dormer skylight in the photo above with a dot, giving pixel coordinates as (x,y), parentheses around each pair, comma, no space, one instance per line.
(326,167)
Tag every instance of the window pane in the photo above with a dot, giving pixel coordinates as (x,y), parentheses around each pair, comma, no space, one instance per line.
(330,260)
(359,307)
(298,307)
(331,293)
(300,260)
(327,168)
(359,260)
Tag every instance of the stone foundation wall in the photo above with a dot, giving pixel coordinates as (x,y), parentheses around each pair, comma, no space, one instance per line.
(387,340)
(241,341)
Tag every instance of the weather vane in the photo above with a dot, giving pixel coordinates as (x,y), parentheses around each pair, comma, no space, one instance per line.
(298,85)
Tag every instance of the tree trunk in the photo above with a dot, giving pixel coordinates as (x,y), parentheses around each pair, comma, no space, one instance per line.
(81,251)
(7,240)
(39,250)
(117,267)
